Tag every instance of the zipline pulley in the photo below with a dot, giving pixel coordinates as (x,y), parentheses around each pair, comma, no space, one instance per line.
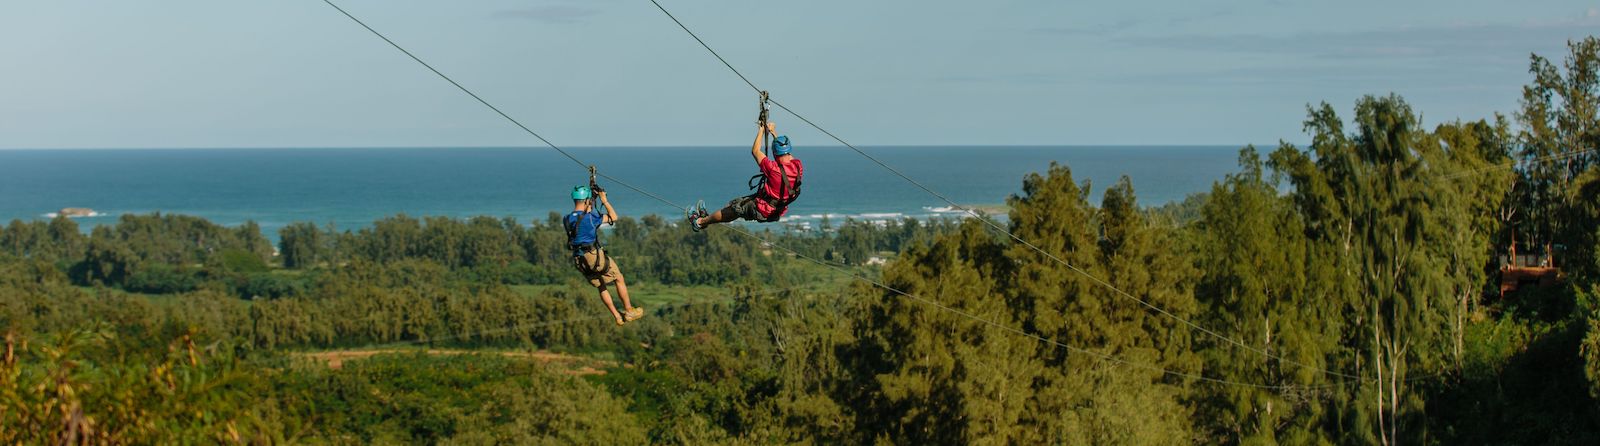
(762,121)
(594,187)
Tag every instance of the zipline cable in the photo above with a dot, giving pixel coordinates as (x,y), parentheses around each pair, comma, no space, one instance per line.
(1514,163)
(492,107)
(991,224)
(746,232)
(707,47)
(453,82)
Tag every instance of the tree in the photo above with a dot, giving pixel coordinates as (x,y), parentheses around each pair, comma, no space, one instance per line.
(56,240)
(1376,200)
(949,365)
(936,376)
(302,245)
(1473,195)
(1560,135)
(1253,254)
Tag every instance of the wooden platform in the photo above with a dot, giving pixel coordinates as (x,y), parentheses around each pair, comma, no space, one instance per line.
(1515,277)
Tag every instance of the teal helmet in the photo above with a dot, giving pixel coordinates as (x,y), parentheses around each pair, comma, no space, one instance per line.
(780,145)
(581,193)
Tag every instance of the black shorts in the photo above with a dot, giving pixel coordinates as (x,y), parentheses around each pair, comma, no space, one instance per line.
(743,207)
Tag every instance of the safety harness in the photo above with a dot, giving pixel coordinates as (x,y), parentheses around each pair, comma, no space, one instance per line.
(779,204)
(787,192)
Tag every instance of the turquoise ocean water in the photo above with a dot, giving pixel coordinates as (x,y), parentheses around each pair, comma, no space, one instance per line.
(352,187)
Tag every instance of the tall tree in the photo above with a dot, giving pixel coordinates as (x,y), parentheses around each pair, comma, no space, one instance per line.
(1472,191)
(1258,287)
(1376,200)
(1559,138)
(953,368)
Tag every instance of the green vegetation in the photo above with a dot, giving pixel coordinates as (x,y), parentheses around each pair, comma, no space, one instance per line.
(1348,289)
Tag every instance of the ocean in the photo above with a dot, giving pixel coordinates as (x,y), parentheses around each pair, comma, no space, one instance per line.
(351,187)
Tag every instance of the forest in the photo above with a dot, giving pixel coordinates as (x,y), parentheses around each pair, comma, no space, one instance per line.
(1344,291)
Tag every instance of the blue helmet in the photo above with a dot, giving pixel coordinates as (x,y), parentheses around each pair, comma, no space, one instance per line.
(580,193)
(780,145)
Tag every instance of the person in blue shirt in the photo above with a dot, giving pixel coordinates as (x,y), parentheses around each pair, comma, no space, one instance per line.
(583,236)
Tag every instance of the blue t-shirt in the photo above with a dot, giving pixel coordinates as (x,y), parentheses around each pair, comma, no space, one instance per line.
(583,227)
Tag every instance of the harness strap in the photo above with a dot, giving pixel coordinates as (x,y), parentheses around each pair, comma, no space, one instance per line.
(600,256)
(572,227)
(572,232)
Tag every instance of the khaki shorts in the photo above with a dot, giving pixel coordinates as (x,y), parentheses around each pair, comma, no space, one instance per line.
(590,263)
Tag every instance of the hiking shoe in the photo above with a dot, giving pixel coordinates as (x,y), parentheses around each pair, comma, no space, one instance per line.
(633,314)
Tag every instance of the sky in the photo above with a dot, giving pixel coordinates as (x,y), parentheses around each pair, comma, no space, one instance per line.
(296,73)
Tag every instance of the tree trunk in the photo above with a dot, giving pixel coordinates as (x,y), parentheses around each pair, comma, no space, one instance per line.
(1377,362)
(1462,311)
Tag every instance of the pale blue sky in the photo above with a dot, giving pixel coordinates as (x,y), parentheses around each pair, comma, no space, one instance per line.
(295,73)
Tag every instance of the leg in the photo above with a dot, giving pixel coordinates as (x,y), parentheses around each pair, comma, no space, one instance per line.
(605,296)
(613,277)
(742,207)
(622,289)
(586,264)
(723,215)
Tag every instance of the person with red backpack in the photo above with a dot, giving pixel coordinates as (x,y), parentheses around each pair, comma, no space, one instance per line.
(775,187)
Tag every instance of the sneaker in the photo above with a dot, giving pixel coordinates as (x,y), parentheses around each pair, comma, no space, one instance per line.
(694,214)
(633,314)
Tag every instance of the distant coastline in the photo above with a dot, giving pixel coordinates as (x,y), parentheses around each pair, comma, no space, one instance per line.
(351,188)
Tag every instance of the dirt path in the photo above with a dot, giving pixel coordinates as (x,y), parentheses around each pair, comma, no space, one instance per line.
(572,365)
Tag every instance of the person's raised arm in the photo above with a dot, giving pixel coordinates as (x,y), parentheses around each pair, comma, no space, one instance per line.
(755,147)
(611,213)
